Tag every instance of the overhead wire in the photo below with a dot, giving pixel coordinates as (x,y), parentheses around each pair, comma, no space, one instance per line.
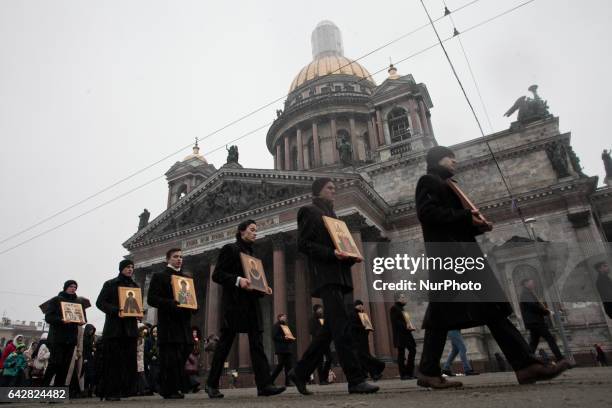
(220,129)
(440,41)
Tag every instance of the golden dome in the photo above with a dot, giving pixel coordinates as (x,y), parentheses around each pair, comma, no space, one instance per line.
(330,64)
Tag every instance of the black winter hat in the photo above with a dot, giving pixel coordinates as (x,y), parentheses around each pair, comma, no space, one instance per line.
(125,263)
(70,282)
(437,153)
(318,185)
(358,302)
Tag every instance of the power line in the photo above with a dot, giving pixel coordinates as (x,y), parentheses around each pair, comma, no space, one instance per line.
(104,204)
(233,122)
(268,124)
(467,60)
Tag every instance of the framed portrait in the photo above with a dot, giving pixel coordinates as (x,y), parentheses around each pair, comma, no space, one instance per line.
(408,321)
(130,302)
(72,313)
(365,320)
(184,292)
(254,272)
(287,332)
(341,236)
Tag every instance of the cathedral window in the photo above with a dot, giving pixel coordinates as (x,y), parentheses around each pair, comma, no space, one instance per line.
(181,192)
(398,125)
(311,153)
(294,158)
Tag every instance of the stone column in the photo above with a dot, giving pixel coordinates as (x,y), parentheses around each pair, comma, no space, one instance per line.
(150,315)
(356,156)
(382,340)
(423,117)
(300,150)
(280,276)
(334,134)
(287,154)
(417,129)
(278,158)
(315,142)
(302,305)
(355,223)
(213,298)
(372,136)
(383,137)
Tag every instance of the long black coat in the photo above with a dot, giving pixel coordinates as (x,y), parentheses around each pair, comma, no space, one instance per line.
(240,308)
(173,322)
(402,337)
(108,302)
(532,310)
(281,345)
(444,220)
(60,332)
(315,326)
(359,333)
(314,241)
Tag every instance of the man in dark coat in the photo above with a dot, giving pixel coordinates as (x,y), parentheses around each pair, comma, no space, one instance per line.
(175,341)
(62,338)
(361,338)
(445,220)
(315,326)
(282,349)
(120,335)
(604,286)
(330,272)
(241,313)
(534,316)
(402,337)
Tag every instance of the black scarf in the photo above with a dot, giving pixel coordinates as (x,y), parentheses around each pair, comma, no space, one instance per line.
(246,247)
(67,296)
(440,171)
(126,280)
(326,206)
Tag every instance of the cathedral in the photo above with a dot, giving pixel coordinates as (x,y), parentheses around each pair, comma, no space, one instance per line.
(371,139)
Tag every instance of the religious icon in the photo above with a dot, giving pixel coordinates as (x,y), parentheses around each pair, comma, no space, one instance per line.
(72,313)
(130,302)
(287,332)
(184,292)
(341,237)
(365,320)
(409,325)
(254,272)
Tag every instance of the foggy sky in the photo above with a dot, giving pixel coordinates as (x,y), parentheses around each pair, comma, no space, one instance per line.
(93,91)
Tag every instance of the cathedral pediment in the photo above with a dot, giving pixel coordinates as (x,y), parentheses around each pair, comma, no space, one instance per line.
(227,193)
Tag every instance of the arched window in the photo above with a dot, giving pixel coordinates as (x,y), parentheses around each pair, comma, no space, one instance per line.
(398,125)
(342,134)
(181,192)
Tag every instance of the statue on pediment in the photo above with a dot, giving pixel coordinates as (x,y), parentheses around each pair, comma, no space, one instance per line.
(345,151)
(144,219)
(232,154)
(605,156)
(529,109)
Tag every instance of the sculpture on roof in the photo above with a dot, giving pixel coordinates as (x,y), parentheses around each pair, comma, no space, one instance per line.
(144,219)
(232,154)
(529,109)
(345,151)
(605,156)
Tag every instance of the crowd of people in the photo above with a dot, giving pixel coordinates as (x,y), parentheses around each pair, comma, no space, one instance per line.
(132,358)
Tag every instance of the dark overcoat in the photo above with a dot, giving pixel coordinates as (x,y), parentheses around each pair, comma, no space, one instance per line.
(108,302)
(239,307)
(281,345)
(173,322)
(402,337)
(314,242)
(60,332)
(449,233)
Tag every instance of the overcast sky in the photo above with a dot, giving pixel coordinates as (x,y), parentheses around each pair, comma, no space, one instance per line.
(92,91)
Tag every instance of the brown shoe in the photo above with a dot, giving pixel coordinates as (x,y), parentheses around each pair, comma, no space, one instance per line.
(540,372)
(438,383)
